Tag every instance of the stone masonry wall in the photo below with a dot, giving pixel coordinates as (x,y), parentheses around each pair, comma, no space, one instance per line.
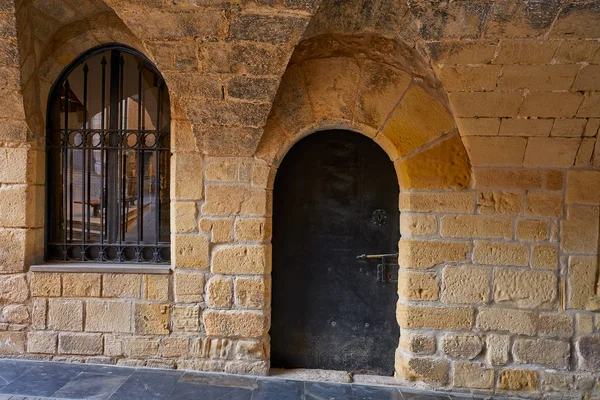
(499,280)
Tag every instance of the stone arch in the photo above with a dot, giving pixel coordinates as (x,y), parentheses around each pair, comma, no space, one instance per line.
(376,86)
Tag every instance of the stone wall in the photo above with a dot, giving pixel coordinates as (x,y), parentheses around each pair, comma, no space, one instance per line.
(489,110)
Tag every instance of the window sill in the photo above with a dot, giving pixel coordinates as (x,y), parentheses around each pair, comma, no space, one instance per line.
(103,268)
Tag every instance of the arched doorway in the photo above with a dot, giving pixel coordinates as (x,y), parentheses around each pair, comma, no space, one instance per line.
(335,198)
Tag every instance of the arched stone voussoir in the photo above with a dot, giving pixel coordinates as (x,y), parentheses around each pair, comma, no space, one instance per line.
(445,165)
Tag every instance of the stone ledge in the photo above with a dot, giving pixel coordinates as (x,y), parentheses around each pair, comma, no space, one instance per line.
(103,268)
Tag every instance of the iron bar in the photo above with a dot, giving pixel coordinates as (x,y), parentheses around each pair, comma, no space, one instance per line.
(84,139)
(160,87)
(102,160)
(140,159)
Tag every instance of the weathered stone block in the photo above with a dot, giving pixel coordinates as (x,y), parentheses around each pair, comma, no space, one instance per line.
(12,343)
(253,229)
(113,345)
(544,256)
(186,318)
(156,287)
(13,244)
(417,225)
(518,379)
(458,202)
(242,260)
(568,127)
(151,318)
(15,314)
(244,324)
(212,348)
(65,315)
(462,345)
(463,52)
(526,128)
(140,346)
(39,308)
(555,325)
(121,285)
(175,347)
(552,381)
(417,343)
(469,77)
(551,104)
(501,253)
(467,226)
(221,229)
(583,187)
(582,281)
(555,180)
(498,349)
(186,214)
(252,349)
(418,286)
(525,51)
(499,203)
(525,289)
(579,232)
(45,285)
(551,152)
(465,285)
(587,78)
(190,252)
(416,254)
(413,317)
(486,104)
(538,77)
(41,342)
(80,343)
(533,230)
(187,176)
(108,316)
(81,285)
(478,126)
(189,288)
(514,321)
(490,178)
(495,151)
(234,200)
(472,375)
(422,369)
(219,292)
(584,323)
(588,353)
(252,293)
(548,353)
(13,289)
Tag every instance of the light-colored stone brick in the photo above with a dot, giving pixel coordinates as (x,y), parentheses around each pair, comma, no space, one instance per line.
(185,215)
(41,342)
(465,285)
(156,287)
(533,230)
(190,252)
(467,226)
(555,180)
(15,314)
(505,178)
(463,52)
(13,289)
(251,260)
(81,285)
(12,343)
(498,349)
(469,78)
(525,127)
(415,254)
(518,379)
(544,256)
(525,51)
(478,126)
(245,324)
(418,286)
(186,318)
(417,225)
(39,308)
(501,253)
(234,200)
(253,229)
(140,346)
(65,315)
(584,323)
(587,78)
(151,318)
(583,187)
(175,347)
(555,325)
(113,345)
(568,127)
(538,77)
(579,232)
(551,104)
(13,245)
(186,176)
(221,170)
(189,288)
(252,293)
(499,203)
(463,345)
(495,151)
(472,375)
(221,229)
(506,320)
(80,343)
(452,318)
(551,152)
(544,204)
(459,202)
(121,285)
(418,343)
(548,353)
(422,369)
(525,289)
(219,292)
(590,106)
(108,316)
(486,104)
(45,285)
(556,382)
(582,281)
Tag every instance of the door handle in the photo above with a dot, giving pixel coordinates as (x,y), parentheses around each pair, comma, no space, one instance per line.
(384,273)
(375,256)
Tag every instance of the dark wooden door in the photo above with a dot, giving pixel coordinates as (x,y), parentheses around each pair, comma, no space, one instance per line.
(335,197)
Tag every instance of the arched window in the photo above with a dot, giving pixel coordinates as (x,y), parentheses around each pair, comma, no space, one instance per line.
(108,155)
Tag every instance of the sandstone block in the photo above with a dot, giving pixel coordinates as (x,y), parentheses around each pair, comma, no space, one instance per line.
(533,230)
(501,253)
(219,292)
(249,260)
(555,325)
(590,106)
(13,289)
(156,287)
(417,225)
(525,127)
(151,318)
(41,342)
(81,285)
(140,346)
(518,379)
(499,203)
(65,315)
(15,314)
(212,348)
(551,152)
(417,343)
(13,243)
(80,343)
(555,180)
(244,324)
(252,349)
(189,288)
(486,104)
(464,78)
(234,200)
(463,52)
(582,281)
(252,293)
(544,256)
(467,226)
(569,127)
(551,104)
(221,170)
(489,178)
(573,51)
(557,382)
(39,309)
(544,204)
(505,320)
(465,285)
(422,369)
(525,289)
(498,349)
(221,229)
(418,286)
(587,78)
(175,347)
(253,229)
(462,345)
(191,252)
(416,254)
(113,345)
(458,202)
(13,197)
(45,285)
(472,375)
(186,214)
(121,285)
(187,176)
(525,51)
(108,316)
(186,318)
(12,343)
(478,126)
(583,187)
(414,317)
(579,232)
(588,353)
(538,77)
(548,353)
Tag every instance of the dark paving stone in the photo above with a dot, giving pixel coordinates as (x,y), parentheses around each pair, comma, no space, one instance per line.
(43,380)
(10,370)
(327,391)
(148,385)
(362,392)
(197,391)
(109,370)
(416,395)
(276,389)
(244,382)
(90,386)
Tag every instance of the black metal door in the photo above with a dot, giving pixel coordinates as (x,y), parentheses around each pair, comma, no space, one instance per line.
(335,197)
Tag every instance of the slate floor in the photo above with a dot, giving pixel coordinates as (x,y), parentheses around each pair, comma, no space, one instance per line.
(31,380)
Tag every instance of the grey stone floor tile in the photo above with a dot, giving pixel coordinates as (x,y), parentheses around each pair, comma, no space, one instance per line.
(43,380)
(327,391)
(278,389)
(362,392)
(196,391)
(91,386)
(148,385)
(10,370)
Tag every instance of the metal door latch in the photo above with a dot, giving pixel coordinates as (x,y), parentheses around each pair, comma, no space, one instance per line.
(386,271)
